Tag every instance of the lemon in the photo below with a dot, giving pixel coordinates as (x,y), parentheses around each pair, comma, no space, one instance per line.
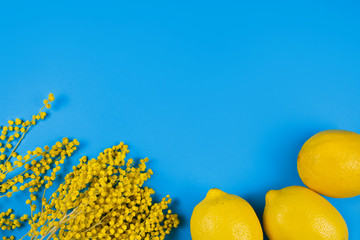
(298,213)
(224,216)
(329,163)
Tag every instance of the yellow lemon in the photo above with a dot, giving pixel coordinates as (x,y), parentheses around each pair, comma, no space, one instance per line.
(298,213)
(329,163)
(223,216)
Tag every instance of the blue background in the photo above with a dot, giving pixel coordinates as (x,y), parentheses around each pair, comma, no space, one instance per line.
(217,94)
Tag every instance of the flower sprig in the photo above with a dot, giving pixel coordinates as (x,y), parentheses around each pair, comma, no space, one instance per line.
(33,171)
(104,198)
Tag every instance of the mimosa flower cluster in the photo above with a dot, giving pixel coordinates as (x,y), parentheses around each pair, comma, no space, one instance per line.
(31,172)
(104,198)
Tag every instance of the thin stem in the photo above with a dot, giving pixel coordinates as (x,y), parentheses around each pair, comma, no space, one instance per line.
(42,205)
(64,220)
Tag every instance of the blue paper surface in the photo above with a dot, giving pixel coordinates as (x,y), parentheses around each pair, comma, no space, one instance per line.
(217,94)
